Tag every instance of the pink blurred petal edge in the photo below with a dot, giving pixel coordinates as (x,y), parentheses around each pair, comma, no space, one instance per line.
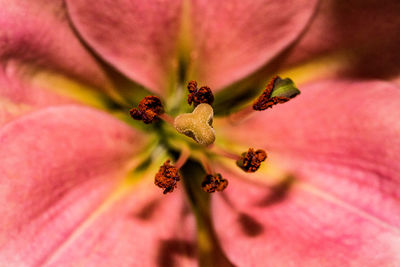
(339,141)
(143,46)
(60,168)
(29,43)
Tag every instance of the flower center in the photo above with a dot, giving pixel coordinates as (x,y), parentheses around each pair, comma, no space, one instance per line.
(198,126)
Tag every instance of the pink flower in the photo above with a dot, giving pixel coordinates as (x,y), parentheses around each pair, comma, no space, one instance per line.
(77,176)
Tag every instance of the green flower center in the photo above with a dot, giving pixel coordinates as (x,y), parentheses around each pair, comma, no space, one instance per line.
(198,126)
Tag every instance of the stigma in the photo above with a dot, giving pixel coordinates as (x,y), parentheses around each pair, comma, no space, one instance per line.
(197,125)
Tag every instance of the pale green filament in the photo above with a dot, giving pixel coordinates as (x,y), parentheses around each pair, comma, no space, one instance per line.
(197,125)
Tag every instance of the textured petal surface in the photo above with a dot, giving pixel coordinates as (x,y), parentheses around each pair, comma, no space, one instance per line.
(57,164)
(138,37)
(35,35)
(306,227)
(340,141)
(233,38)
(59,171)
(19,96)
(355,38)
(37,68)
(145,228)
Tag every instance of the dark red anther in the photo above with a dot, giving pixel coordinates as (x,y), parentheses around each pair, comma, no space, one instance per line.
(277,91)
(214,183)
(251,160)
(192,86)
(265,100)
(198,96)
(148,109)
(167,177)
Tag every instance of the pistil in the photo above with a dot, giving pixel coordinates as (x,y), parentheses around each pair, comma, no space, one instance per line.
(197,125)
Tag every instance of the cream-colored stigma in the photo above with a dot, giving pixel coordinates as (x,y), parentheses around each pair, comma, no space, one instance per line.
(197,125)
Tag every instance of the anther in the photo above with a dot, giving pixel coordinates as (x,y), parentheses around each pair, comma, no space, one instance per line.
(214,183)
(198,96)
(167,177)
(251,160)
(277,91)
(148,110)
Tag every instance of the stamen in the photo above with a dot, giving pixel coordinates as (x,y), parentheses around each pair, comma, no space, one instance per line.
(251,160)
(167,118)
(224,153)
(185,153)
(167,177)
(241,115)
(214,183)
(148,110)
(198,96)
(277,91)
(206,164)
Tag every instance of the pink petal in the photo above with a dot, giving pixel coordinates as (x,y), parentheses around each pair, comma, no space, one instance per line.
(19,96)
(36,35)
(304,227)
(58,169)
(340,139)
(35,63)
(138,37)
(145,228)
(233,38)
(361,36)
